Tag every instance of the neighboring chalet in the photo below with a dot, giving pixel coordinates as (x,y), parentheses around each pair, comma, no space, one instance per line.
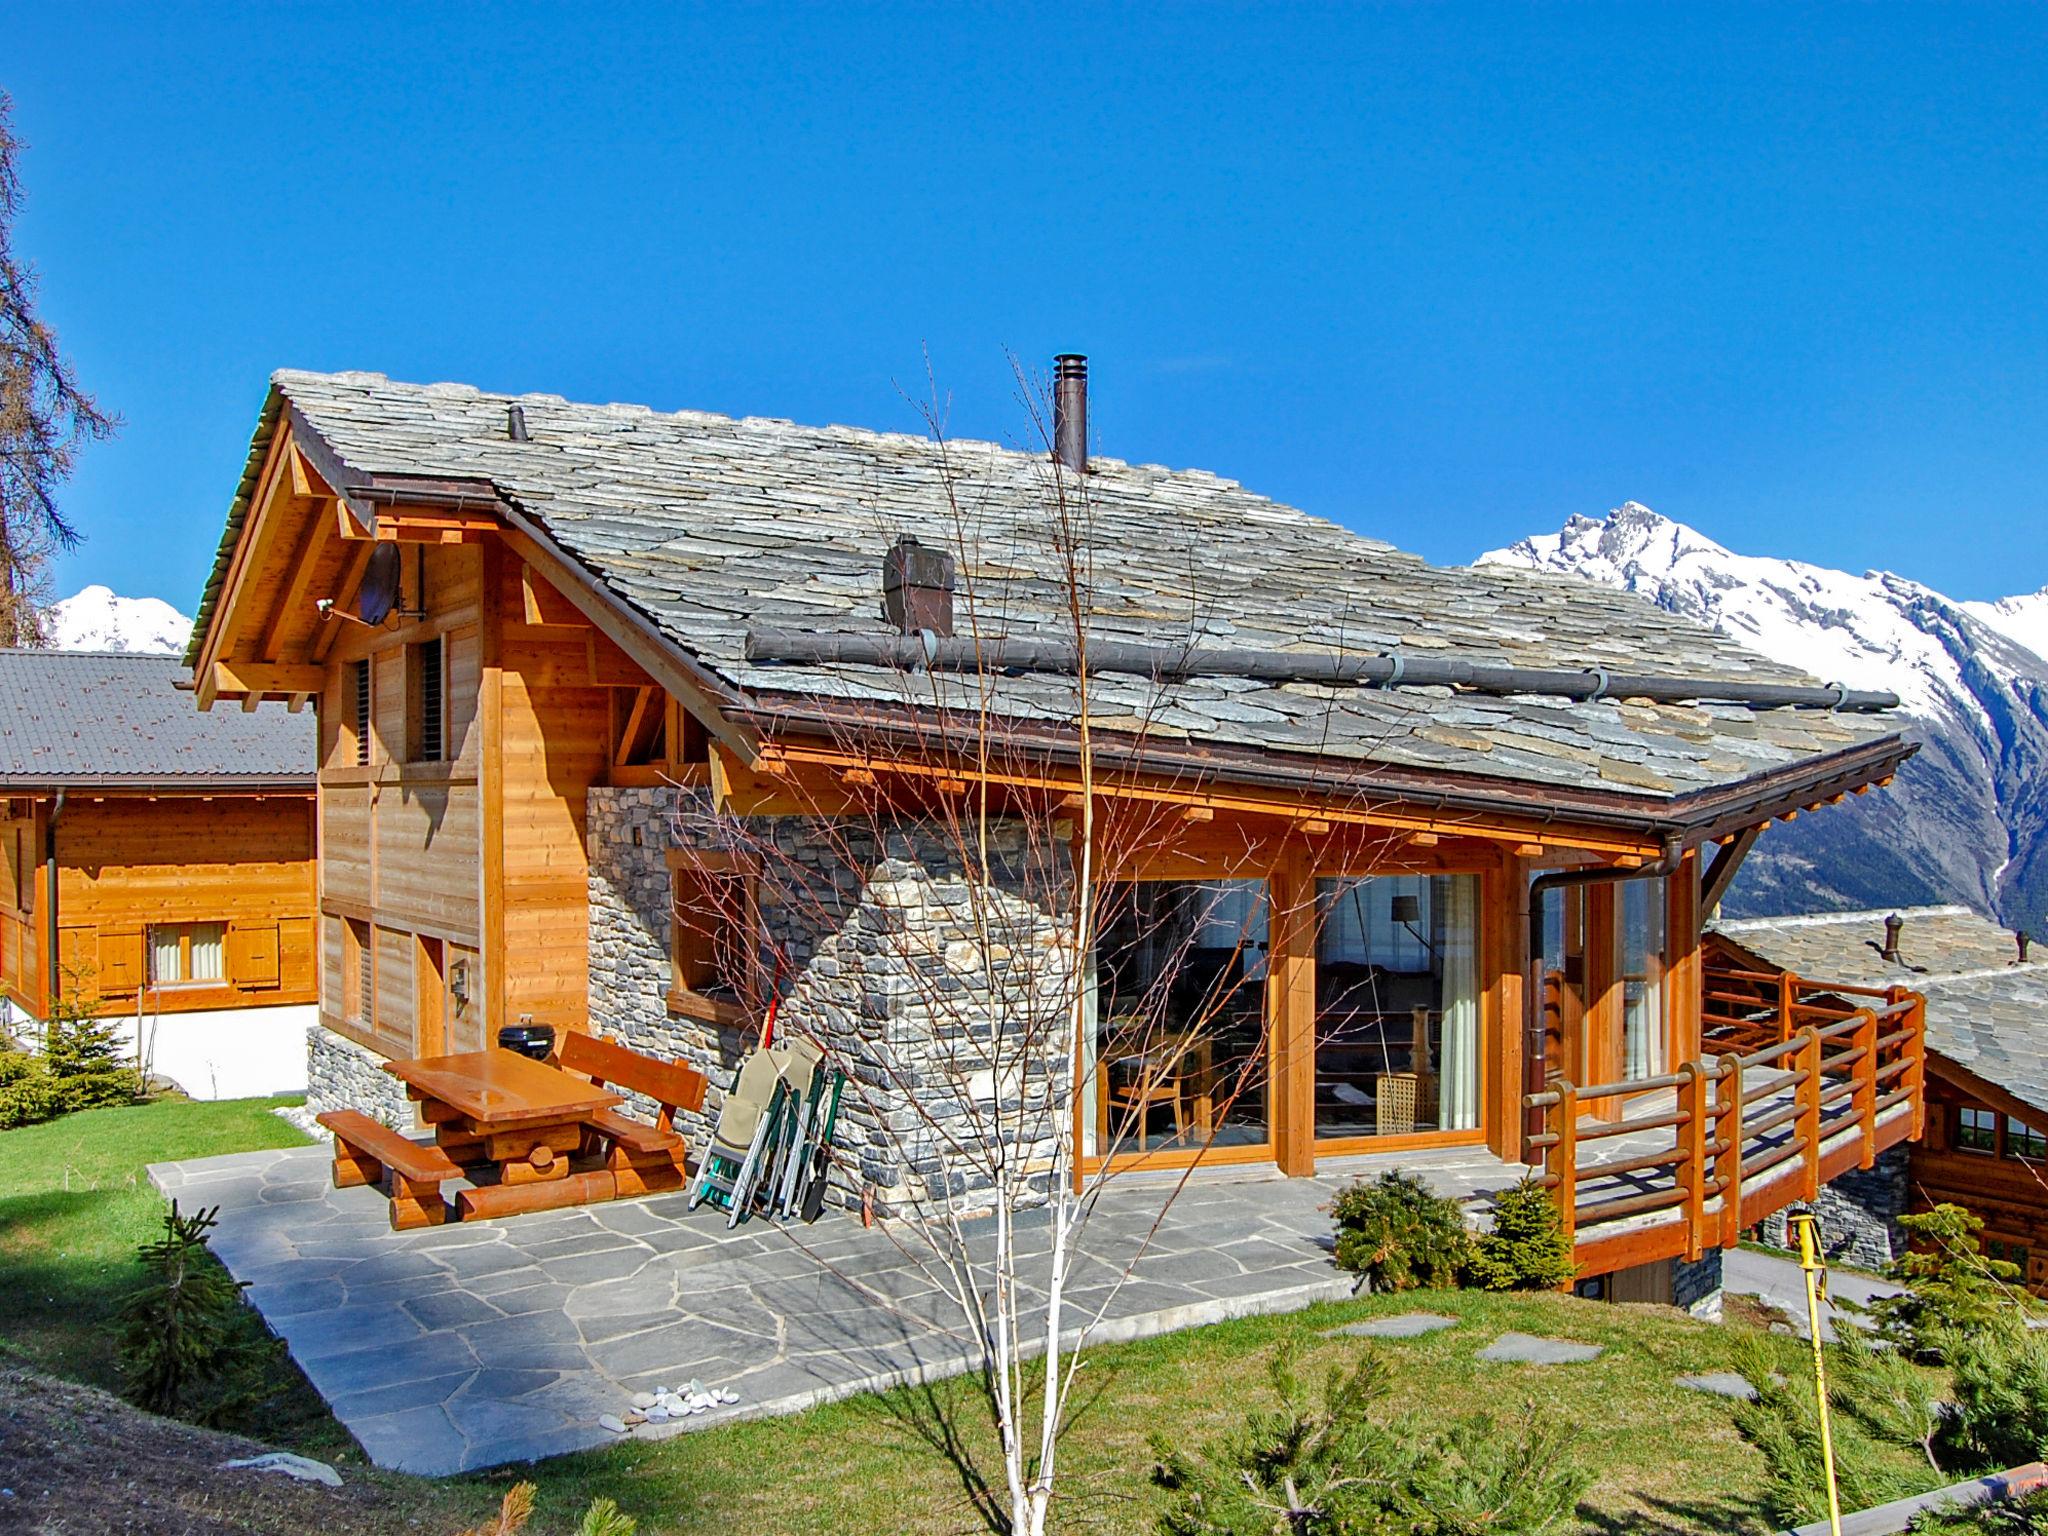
(165,858)
(538,631)
(1986,1144)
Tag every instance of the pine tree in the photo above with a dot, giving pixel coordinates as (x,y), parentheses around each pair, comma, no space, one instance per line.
(85,1060)
(1527,1249)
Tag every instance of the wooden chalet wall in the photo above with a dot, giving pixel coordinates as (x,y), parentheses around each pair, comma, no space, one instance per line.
(128,861)
(2007,1191)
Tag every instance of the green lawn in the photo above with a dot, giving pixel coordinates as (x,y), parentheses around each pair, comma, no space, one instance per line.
(74,1201)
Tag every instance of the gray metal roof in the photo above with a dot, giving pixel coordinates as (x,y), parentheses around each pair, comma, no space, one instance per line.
(710,526)
(1985,1011)
(89,717)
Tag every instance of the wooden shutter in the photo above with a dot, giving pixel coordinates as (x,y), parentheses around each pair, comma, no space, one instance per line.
(252,955)
(121,967)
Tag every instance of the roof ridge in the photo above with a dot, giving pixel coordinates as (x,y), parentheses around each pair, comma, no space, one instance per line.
(1823,919)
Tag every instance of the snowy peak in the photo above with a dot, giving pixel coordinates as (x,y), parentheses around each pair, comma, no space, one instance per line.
(2022,619)
(98,619)
(1877,630)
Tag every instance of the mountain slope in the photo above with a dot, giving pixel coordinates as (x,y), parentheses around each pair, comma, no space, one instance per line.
(97,619)
(1967,819)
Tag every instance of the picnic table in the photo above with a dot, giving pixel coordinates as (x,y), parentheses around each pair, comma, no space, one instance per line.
(527,1117)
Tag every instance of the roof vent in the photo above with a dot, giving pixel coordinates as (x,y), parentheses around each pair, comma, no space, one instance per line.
(1894,926)
(2025,940)
(1070,411)
(917,588)
(515,423)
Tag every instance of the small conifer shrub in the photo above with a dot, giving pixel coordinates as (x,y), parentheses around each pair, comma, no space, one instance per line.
(1400,1234)
(1527,1249)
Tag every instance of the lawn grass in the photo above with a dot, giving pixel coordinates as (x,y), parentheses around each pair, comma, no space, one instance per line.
(74,1201)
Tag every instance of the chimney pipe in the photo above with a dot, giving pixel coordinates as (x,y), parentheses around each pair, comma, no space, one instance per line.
(1070,411)
(2025,940)
(515,423)
(1893,927)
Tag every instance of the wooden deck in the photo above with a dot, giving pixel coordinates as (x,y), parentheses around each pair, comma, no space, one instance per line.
(1815,1079)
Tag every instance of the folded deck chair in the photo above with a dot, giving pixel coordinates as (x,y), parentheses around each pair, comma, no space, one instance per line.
(744,1120)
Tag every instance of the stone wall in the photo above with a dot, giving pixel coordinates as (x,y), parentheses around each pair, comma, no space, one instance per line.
(924,986)
(343,1075)
(1696,1285)
(1859,1213)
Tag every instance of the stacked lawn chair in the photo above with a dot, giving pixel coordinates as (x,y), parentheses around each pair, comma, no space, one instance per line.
(770,1148)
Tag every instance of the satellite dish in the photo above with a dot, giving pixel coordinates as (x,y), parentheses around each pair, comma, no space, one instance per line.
(378,594)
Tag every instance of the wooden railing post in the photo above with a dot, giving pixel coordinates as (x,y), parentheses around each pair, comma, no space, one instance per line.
(1728,1170)
(1788,995)
(1692,1154)
(1913,1050)
(1808,1094)
(1865,1096)
(1565,1154)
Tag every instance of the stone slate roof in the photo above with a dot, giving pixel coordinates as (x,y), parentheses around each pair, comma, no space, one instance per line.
(88,717)
(1985,1011)
(710,526)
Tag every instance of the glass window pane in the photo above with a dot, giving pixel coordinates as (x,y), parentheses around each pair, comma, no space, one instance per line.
(1976,1130)
(2022,1140)
(206,952)
(1642,978)
(1397,1005)
(166,954)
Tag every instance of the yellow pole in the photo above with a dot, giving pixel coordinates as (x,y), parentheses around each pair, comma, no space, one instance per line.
(1816,1273)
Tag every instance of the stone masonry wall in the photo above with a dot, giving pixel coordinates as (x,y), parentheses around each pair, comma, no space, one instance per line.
(1696,1285)
(1859,1213)
(343,1075)
(919,985)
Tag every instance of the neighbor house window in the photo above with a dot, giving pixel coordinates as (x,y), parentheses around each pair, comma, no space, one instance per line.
(1976,1130)
(2011,1253)
(359,716)
(713,932)
(186,953)
(426,727)
(2022,1140)
(358,973)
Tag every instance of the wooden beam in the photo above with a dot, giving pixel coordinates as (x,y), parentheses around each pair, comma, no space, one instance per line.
(1291,1012)
(1721,873)
(636,722)
(544,604)
(304,562)
(344,594)
(256,679)
(259,532)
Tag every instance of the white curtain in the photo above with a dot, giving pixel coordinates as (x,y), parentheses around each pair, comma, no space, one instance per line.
(166,963)
(1642,969)
(1458,1085)
(206,952)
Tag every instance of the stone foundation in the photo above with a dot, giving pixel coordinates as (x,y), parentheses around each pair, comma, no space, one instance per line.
(343,1075)
(1696,1286)
(1859,1214)
(919,985)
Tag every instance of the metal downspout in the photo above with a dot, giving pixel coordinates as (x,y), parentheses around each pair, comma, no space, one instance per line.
(1532,974)
(50,907)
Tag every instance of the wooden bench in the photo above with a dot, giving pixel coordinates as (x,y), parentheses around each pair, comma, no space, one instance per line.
(364,1149)
(643,1158)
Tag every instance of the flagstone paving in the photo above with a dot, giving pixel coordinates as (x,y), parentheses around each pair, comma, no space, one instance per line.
(1409,1325)
(1529,1349)
(472,1344)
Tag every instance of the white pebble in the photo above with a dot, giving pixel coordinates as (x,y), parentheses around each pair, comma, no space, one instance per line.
(645,1399)
(612,1422)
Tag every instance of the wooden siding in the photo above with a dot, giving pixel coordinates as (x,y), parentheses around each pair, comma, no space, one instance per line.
(126,861)
(2009,1193)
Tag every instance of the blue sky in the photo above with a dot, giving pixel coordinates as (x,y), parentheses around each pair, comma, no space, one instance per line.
(1445,274)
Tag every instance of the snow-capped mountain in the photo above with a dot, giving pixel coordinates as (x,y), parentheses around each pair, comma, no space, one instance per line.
(1967,819)
(98,619)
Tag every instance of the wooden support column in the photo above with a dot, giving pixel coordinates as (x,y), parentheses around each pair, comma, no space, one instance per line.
(1504,954)
(490,709)
(1291,1011)
(1684,969)
(1600,1057)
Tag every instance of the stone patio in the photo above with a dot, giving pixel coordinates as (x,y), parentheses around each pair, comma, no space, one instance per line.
(469,1345)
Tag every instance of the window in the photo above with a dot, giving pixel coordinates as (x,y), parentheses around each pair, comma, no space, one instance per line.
(359,718)
(1642,978)
(186,954)
(426,723)
(712,935)
(1976,1130)
(2022,1140)
(2014,1254)
(358,973)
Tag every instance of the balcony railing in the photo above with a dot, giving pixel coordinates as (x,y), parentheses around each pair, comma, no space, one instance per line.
(1817,1078)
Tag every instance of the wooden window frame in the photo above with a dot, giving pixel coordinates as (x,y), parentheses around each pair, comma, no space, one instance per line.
(2008,1125)
(745,871)
(184,980)
(1962,1144)
(417,664)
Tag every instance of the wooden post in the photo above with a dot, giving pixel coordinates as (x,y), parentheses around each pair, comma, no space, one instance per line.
(1915,1076)
(1564,1154)
(1865,1099)
(1729,1097)
(1808,1094)
(1291,1012)
(490,708)
(1692,1148)
(1602,1059)
(1788,994)
(1684,970)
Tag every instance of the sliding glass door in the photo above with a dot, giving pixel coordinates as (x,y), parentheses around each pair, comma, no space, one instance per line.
(1397,1006)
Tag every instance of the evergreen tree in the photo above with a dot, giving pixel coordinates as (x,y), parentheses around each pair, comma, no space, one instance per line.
(1527,1249)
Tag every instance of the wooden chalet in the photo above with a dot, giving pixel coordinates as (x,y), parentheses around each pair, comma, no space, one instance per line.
(156,865)
(1986,991)
(1467,820)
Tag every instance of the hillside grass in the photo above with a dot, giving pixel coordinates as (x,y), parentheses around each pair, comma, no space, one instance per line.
(74,1201)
